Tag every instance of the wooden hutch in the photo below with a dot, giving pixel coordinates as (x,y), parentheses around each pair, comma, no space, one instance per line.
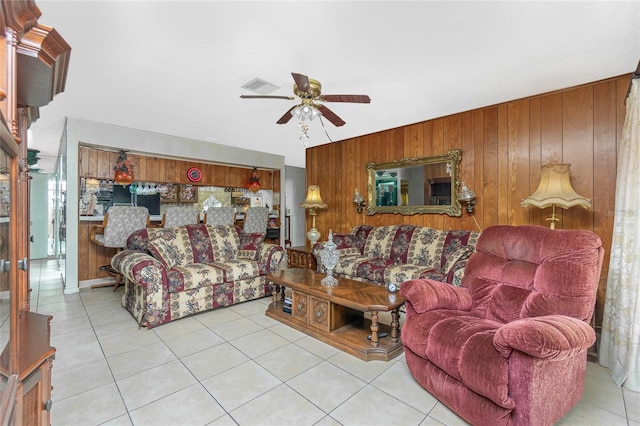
(33,68)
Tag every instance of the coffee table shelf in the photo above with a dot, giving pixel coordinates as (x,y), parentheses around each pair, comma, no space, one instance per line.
(335,315)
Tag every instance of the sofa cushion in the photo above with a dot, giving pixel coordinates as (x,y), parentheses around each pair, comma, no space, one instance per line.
(250,245)
(380,241)
(164,251)
(401,273)
(426,246)
(198,275)
(461,345)
(224,240)
(193,276)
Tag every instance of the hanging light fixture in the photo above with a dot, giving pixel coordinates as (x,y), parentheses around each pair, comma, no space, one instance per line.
(123,169)
(555,190)
(306,111)
(254,181)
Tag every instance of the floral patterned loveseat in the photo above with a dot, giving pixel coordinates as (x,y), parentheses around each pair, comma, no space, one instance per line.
(171,273)
(397,253)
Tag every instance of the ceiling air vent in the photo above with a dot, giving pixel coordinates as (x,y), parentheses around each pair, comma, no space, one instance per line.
(260,86)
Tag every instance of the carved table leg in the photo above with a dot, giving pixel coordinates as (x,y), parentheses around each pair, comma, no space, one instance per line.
(395,325)
(374,329)
(274,292)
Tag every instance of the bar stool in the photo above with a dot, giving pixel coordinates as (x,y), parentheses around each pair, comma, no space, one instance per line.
(118,223)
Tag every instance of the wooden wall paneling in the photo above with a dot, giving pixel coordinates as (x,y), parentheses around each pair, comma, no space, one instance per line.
(83,161)
(238,177)
(535,158)
(489,189)
(92,169)
(277,186)
(437,146)
(578,151)
(467,165)
(503,165)
(104,165)
(427,151)
(207,174)
(266,178)
(141,172)
(84,251)
(504,146)
(518,159)
(452,139)
(173,171)
(413,148)
(219,175)
(348,177)
(477,150)
(151,170)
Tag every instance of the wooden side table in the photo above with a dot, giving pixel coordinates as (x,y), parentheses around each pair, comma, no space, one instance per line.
(301,257)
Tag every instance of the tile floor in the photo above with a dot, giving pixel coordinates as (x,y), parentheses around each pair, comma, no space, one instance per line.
(237,366)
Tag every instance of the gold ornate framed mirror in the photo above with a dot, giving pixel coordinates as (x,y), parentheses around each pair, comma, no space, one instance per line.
(415,185)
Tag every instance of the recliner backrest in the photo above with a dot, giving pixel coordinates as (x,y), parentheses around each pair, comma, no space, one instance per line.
(528,271)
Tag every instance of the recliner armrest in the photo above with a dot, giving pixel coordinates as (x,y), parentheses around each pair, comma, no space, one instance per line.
(549,337)
(426,295)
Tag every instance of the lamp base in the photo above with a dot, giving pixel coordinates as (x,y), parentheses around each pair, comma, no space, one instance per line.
(313,235)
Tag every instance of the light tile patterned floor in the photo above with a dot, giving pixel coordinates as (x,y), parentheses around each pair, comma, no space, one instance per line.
(237,366)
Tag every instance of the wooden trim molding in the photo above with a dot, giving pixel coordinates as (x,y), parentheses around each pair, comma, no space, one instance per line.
(43,63)
(19,15)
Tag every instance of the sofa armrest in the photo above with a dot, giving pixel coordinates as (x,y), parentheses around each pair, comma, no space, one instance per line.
(269,257)
(345,244)
(142,269)
(422,295)
(549,337)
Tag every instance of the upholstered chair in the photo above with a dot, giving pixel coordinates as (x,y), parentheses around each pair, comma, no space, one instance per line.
(510,345)
(256,220)
(118,223)
(220,216)
(178,216)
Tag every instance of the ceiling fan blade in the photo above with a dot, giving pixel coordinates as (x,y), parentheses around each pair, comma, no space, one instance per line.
(290,98)
(302,81)
(286,117)
(359,99)
(331,116)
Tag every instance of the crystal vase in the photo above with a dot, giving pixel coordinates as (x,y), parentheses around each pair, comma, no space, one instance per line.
(329,257)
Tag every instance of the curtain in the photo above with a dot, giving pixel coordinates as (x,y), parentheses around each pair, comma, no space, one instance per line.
(620,338)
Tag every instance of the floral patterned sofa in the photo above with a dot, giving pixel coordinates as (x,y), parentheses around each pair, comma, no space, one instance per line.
(171,273)
(397,253)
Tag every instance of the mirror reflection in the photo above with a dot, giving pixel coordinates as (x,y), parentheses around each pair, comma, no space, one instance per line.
(415,185)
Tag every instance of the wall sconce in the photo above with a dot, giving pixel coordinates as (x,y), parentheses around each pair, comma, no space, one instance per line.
(358,201)
(467,196)
(313,202)
(555,190)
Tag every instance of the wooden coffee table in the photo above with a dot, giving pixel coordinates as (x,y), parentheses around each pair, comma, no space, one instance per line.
(335,316)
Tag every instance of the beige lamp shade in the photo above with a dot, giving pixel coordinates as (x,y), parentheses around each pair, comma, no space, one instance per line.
(313,200)
(555,190)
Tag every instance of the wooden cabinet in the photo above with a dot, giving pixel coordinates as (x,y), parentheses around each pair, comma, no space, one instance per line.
(301,257)
(26,356)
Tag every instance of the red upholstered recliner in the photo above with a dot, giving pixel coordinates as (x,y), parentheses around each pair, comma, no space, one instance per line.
(510,345)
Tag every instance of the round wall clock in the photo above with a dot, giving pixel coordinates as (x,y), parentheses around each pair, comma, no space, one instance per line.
(194,174)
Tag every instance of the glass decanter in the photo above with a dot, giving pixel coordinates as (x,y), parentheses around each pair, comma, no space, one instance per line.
(329,257)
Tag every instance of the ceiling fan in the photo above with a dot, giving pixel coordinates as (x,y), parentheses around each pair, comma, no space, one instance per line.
(309,91)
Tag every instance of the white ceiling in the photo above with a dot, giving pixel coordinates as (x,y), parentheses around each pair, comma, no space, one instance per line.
(177,67)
